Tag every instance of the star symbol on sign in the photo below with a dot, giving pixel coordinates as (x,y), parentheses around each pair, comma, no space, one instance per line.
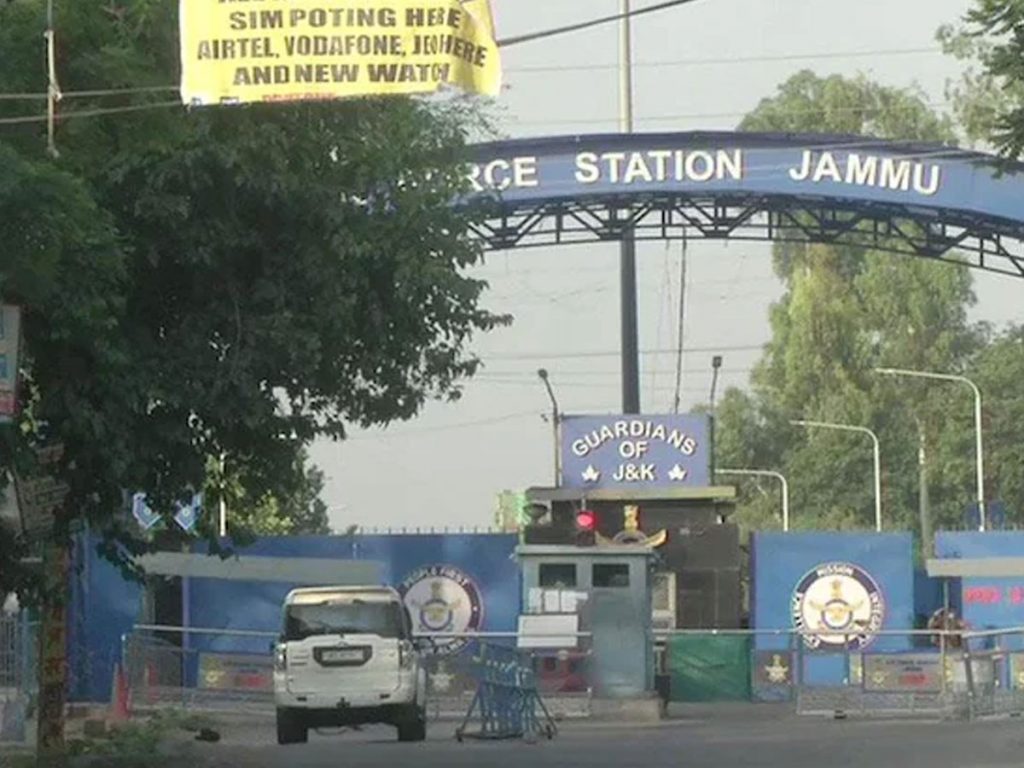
(677,474)
(591,475)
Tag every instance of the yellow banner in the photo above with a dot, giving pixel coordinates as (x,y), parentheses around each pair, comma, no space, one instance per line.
(238,51)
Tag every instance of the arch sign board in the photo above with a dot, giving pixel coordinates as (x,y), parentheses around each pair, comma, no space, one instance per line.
(844,181)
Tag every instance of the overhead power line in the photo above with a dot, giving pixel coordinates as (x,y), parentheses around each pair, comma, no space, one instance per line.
(581,25)
(822,56)
(615,353)
(544,68)
(73,114)
(714,115)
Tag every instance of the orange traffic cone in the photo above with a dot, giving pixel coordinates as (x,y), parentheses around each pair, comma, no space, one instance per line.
(120,707)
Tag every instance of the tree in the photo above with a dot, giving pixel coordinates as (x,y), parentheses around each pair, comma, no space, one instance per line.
(300,511)
(999,371)
(286,269)
(990,101)
(222,285)
(845,311)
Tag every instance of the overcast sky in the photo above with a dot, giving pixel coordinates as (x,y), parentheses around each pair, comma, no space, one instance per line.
(701,66)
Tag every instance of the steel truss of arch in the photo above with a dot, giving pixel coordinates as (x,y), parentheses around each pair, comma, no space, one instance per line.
(930,233)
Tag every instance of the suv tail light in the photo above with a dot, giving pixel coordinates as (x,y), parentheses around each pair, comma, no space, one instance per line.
(280,657)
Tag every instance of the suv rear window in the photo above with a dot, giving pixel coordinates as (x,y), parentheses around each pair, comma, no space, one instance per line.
(343,617)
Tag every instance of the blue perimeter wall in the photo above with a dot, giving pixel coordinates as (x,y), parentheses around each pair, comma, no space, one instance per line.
(488,559)
(987,603)
(781,560)
(105,606)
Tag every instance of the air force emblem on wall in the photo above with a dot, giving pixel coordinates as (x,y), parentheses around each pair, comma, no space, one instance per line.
(442,599)
(838,605)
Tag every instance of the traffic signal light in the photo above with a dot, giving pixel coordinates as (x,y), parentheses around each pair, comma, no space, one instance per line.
(586,528)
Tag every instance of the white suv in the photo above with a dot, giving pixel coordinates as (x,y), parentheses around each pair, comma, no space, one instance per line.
(346,657)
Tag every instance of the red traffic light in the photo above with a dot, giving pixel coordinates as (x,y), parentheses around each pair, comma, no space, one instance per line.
(586,520)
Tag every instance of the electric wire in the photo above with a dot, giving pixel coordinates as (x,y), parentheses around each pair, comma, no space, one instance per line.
(581,25)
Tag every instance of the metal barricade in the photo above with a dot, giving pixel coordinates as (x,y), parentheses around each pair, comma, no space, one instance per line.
(507,703)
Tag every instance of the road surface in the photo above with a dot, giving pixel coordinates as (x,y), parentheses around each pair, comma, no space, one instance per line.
(715,738)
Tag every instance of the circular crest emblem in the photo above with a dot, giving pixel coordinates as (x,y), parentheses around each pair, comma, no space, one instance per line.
(442,599)
(838,605)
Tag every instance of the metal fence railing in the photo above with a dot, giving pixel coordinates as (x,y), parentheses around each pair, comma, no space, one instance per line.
(17,674)
(216,669)
(944,673)
(891,673)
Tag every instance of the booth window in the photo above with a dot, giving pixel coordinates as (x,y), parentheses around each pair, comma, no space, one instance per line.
(609,575)
(558,575)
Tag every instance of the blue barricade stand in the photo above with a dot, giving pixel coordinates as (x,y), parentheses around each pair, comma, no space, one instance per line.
(506,704)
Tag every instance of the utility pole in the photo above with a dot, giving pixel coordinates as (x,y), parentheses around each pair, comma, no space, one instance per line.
(627,256)
(681,333)
(716,364)
(924,510)
(52,90)
(556,419)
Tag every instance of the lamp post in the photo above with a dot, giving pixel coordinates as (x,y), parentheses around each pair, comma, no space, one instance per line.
(767,473)
(716,364)
(555,418)
(877,457)
(979,448)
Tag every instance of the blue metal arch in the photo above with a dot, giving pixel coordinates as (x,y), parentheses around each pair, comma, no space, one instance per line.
(928,200)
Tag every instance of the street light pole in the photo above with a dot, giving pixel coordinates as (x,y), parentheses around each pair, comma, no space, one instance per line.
(627,254)
(766,473)
(978,447)
(555,419)
(877,457)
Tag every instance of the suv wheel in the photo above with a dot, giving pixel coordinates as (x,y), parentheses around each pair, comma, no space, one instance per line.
(415,727)
(290,727)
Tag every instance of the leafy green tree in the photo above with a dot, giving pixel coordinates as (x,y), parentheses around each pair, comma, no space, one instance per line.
(219,285)
(844,312)
(989,98)
(283,270)
(998,370)
(299,511)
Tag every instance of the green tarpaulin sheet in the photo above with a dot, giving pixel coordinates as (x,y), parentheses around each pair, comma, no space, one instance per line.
(709,668)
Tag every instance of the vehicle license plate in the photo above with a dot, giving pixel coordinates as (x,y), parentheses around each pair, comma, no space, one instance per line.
(336,655)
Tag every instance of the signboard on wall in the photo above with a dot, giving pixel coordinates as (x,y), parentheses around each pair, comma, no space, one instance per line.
(443,600)
(327,49)
(635,452)
(235,672)
(10,344)
(903,672)
(838,605)
(773,668)
(41,495)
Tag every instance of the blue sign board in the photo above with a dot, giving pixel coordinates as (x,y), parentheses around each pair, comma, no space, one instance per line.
(143,515)
(635,452)
(851,169)
(187,515)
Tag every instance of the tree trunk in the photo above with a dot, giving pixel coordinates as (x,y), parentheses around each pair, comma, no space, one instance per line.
(53,643)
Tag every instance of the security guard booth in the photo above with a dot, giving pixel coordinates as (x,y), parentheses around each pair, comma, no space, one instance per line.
(602,593)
